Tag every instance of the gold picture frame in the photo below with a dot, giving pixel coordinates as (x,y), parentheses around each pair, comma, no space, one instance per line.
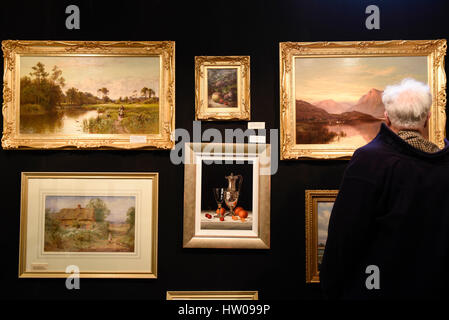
(144,123)
(212,295)
(114,235)
(305,59)
(230,76)
(316,220)
(211,234)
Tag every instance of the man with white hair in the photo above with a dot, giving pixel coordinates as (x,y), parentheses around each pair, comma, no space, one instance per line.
(407,112)
(388,233)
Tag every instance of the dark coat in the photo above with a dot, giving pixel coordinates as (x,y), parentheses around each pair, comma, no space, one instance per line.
(392,211)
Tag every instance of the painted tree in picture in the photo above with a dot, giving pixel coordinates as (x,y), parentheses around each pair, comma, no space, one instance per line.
(89,95)
(89,224)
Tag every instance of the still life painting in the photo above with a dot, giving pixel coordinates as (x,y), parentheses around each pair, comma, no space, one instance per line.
(226,201)
(331,92)
(88,94)
(227,196)
(222,89)
(319,204)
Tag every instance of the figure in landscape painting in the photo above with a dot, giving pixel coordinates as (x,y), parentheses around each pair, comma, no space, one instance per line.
(89,95)
(89,223)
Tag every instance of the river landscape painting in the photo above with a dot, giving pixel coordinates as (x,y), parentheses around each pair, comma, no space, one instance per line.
(86,95)
(338,100)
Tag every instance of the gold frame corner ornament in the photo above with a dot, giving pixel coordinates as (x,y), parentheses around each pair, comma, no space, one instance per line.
(434,50)
(202,111)
(14,49)
(312,197)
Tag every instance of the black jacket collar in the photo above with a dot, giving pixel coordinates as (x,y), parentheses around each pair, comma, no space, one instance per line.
(388,136)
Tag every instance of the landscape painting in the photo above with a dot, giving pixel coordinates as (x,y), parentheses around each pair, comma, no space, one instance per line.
(338,100)
(87,95)
(89,223)
(319,205)
(324,212)
(331,92)
(222,87)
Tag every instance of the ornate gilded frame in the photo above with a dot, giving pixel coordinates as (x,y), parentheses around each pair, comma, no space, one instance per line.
(311,220)
(261,155)
(434,50)
(14,49)
(152,228)
(212,295)
(242,64)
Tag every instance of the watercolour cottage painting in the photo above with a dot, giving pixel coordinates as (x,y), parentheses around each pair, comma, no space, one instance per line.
(89,223)
(111,95)
(339,99)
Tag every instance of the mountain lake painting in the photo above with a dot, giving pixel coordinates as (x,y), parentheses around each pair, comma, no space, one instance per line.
(84,95)
(339,100)
(89,223)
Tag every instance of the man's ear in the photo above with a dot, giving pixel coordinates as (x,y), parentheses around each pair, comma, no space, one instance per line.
(427,120)
(387,119)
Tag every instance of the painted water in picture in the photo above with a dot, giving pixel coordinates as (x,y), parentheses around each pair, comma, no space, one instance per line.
(67,95)
(89,223)
(339,100)
(324,213)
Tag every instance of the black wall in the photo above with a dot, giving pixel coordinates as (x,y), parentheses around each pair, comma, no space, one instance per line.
(218,27)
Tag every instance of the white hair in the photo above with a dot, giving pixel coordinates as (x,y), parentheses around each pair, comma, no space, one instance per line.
(407,103)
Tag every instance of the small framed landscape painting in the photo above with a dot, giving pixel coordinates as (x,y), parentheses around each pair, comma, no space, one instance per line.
(227,196)
(319,204)
(222,90)
(212,295)
(88,94)
(331,92)
(105,224)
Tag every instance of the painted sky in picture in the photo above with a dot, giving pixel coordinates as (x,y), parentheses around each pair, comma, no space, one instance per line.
(347,79)
(324,213)
(121,75)
(118,205)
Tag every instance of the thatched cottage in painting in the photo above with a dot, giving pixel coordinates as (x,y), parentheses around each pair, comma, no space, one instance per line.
(76,217)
